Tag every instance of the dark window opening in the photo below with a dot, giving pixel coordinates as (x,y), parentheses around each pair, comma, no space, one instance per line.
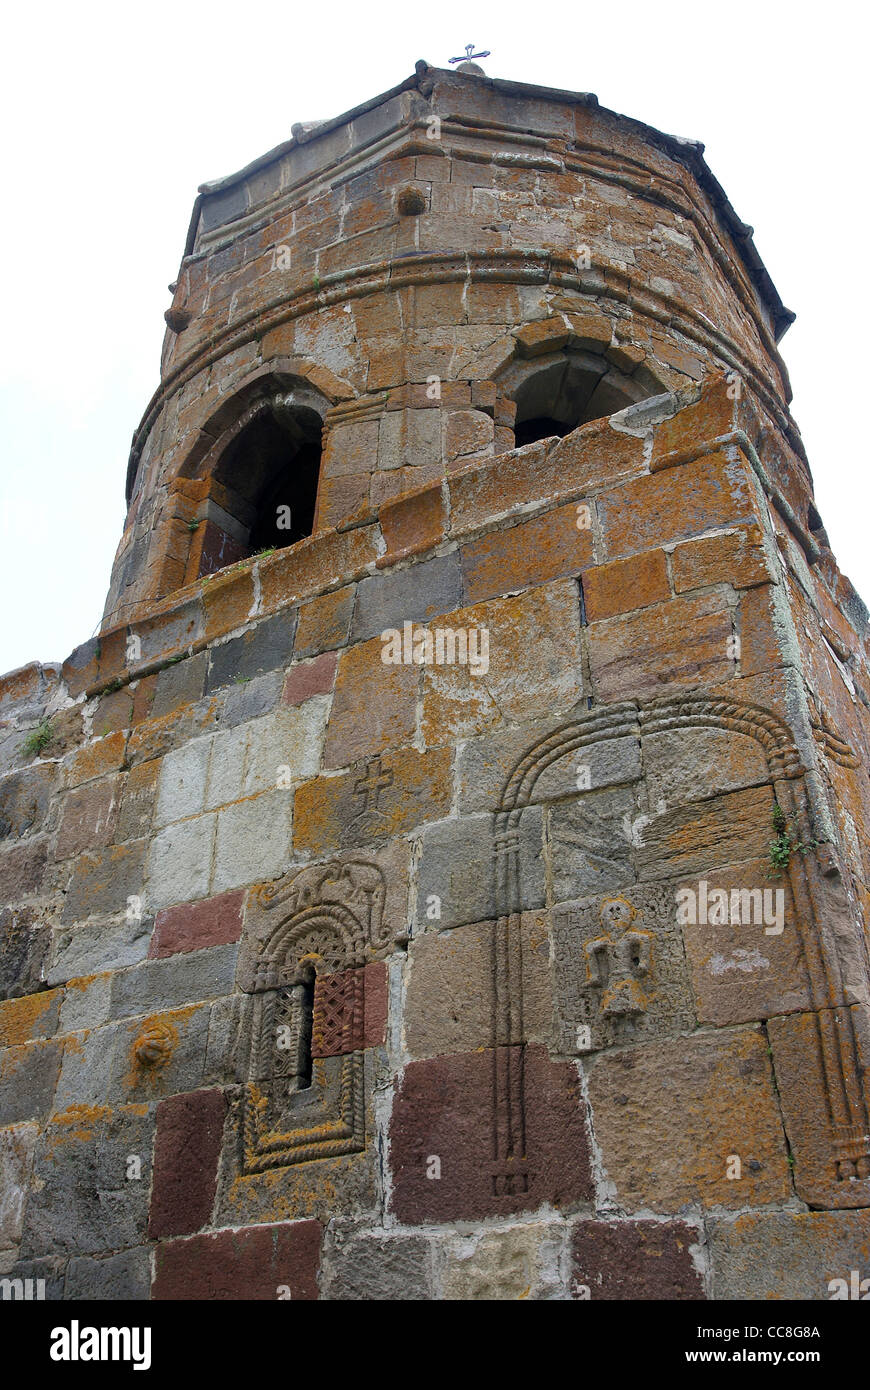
(539,427)
(556,397)
(303,1007)
(265,485)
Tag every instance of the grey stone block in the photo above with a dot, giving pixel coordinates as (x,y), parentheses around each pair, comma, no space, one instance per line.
(21,868)
(86,1001)
(251,699)
(180,684)
(226,1061)
(28,1077)
(24,798)
(378,1267)
(263,648)
(179,864)
(414,595)
(222,207)
(186,1034)
(103,880)
(590,845)
(458,866)
(86,1201)
(126,1275)
(86,1073)
(789,1254)
(253,840)
(181,786)
(24,945)
(169,984)
(97,946)
(17,1145)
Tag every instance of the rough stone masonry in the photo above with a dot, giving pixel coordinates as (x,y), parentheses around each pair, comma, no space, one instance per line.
(333,973)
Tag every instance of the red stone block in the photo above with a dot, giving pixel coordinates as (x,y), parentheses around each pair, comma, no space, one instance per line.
(255,1262)
(186,1152)
(376,1004)
(626,1260)
(444,1109)
(310,678)
(191,926)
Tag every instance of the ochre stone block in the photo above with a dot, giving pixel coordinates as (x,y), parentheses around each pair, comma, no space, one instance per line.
(675,505)
(186,1150)
(688,641)
(624,585)
(95,759)
(253,1262)
(375,801)
(526,554)
(735,557)
(374,707)
(412,524)
(668,1115)
(534,664)
(324,623)
(314,564)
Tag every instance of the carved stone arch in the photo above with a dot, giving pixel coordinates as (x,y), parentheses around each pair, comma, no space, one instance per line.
(820,917)
(566,371)
(250,480)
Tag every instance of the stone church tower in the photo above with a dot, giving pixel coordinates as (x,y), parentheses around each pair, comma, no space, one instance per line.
(446,874)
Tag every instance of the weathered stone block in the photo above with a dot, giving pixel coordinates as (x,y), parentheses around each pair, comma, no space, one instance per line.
(32,1016)
(324,623)
(591,839)
(253,839)
(181,683)
(168,984)
(706,835)
(262,648)
(25,939)
(359,725)
(526,555)
(634,1260)
(375,1266)
(625,585)
(455,968)
(790,1254)
(685,642)
(179,862)
(522,1262)
(24,798)
(89,817)
(443,1109)
(309,678)
(193,926)
(17,1144)
(668,1115)
(375,801)
(457,869)
(254,1262)
(122,1277)
(98,945)
(103,880)
(186,1150)
(87,1203)
(533,662)
(414,595)
(28,1077)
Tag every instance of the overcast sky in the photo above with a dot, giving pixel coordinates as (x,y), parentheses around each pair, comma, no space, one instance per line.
(113,114)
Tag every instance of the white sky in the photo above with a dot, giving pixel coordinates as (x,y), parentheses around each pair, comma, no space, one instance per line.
(113,114)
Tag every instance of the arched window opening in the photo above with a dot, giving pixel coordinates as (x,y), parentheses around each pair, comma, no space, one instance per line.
(263,468)
(270,473)
(569,390)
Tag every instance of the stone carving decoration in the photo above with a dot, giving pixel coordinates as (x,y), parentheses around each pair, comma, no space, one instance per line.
(304,1098)
(621,985)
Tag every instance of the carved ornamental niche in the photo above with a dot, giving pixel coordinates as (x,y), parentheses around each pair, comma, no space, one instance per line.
(618,847)
(313,934)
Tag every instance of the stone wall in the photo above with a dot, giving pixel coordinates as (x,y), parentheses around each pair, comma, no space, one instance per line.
(243,848)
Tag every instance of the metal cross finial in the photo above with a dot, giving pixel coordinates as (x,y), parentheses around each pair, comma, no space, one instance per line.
(469,54)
